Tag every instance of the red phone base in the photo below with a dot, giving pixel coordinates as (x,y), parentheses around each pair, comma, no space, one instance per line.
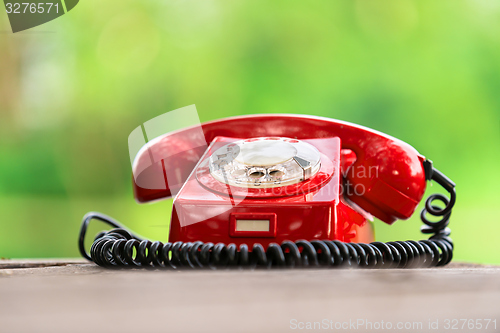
(209,211)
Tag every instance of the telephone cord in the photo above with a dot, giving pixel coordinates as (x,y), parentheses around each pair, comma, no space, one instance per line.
(115,248)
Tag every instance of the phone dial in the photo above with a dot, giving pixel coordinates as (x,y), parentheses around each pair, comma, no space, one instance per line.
(280,191)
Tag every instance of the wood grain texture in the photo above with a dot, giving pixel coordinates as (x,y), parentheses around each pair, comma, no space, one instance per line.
(76,296)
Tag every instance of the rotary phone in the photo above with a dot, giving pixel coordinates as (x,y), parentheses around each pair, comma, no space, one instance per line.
(280,191)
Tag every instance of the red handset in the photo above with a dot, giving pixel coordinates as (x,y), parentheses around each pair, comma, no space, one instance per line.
(279,179)
(392,193)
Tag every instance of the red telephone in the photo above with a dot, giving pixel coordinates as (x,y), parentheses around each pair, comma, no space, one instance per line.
(283,190)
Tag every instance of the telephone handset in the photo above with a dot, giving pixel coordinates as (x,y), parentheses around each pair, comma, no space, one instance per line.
(280,190)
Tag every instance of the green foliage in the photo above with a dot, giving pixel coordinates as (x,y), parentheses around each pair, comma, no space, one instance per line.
(425,72)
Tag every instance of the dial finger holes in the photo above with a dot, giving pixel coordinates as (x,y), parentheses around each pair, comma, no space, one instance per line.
(276,174)
(256,173)
(264,162)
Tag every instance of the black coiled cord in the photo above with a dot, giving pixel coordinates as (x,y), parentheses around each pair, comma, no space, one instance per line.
(115,248)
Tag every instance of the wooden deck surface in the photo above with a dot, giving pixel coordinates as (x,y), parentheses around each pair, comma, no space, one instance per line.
(76,296)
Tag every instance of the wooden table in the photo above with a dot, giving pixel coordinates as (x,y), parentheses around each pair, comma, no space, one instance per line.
(77,296)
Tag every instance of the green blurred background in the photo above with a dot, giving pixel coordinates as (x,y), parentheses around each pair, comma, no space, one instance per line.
(72,90)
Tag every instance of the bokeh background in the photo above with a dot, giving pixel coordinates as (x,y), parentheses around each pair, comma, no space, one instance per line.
(72,90)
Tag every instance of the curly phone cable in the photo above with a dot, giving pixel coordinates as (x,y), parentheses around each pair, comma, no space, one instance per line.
(115,248)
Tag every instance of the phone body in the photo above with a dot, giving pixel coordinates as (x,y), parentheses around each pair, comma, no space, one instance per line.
(349,174)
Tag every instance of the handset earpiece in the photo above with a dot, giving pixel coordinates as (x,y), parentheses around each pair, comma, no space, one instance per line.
(387,179)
